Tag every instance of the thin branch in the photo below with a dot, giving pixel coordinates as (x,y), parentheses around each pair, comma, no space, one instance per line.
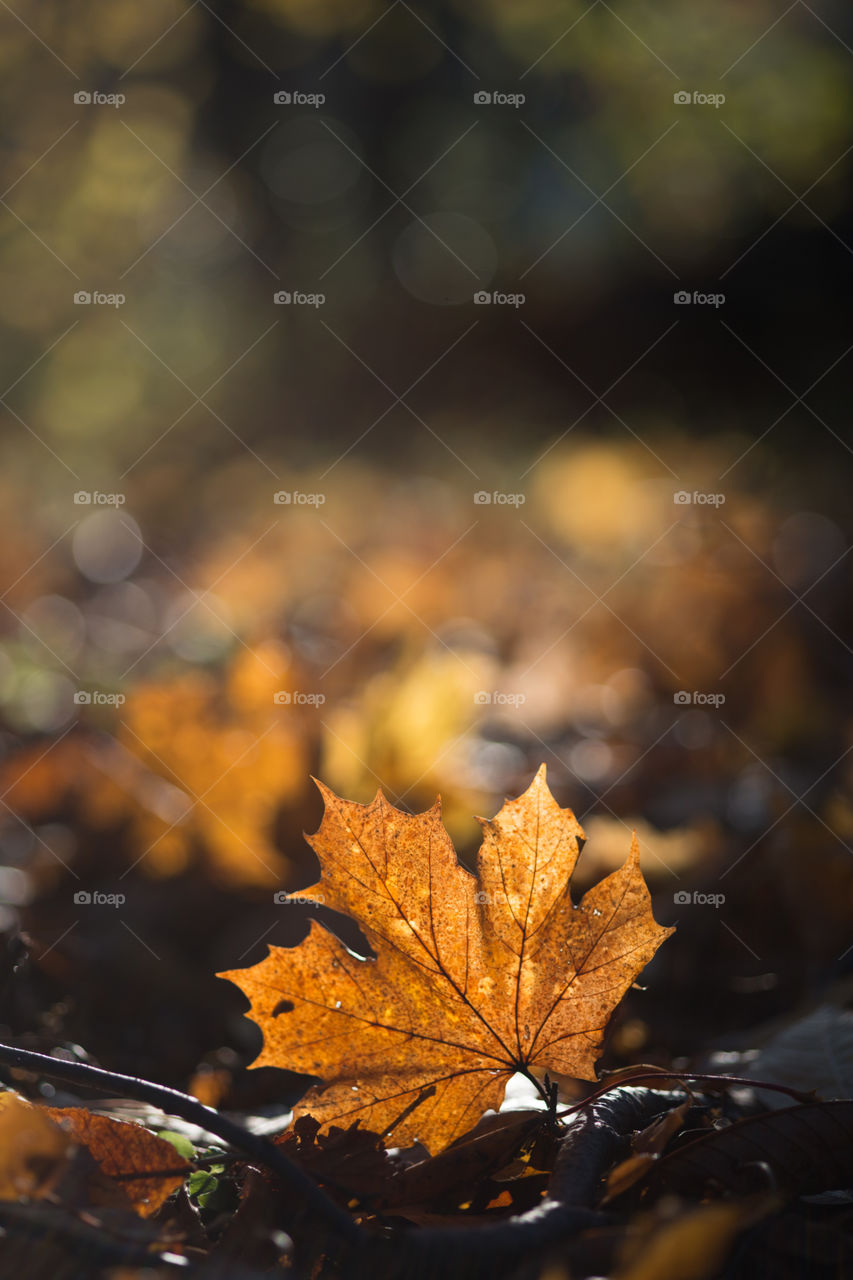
(304,1194)
(629,1077)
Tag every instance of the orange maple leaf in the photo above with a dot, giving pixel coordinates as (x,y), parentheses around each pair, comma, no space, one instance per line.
(475,977)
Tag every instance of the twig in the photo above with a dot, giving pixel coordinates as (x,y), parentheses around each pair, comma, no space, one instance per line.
(304,1194)
(655,1074)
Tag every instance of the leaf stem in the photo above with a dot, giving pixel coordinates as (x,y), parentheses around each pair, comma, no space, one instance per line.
(543,1090)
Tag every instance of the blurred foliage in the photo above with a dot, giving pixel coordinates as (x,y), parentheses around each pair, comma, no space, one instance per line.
(399,600)
(447,650)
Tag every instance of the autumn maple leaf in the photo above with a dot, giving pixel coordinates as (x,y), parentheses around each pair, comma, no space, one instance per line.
(475,977)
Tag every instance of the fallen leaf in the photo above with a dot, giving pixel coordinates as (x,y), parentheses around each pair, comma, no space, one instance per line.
(354,1164)
(131,1166)
(33,1150)
(646,1146)
(656,1137)
(805,1150)
(475,977)
(625,1174)
(351,1161)
(147,1168)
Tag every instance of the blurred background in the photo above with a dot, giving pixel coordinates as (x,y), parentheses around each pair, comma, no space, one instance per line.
(408,395)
